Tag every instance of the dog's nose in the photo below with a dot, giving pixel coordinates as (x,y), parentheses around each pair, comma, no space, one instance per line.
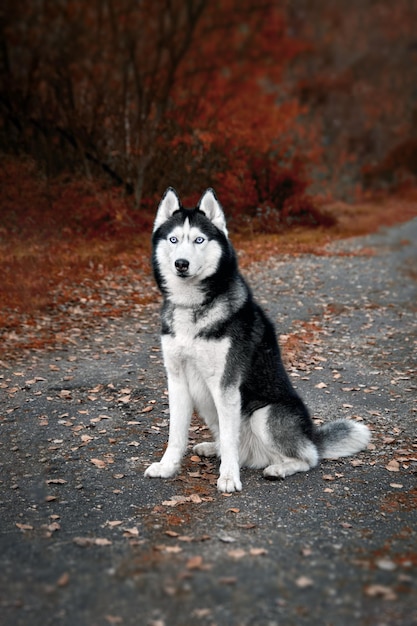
(182,265)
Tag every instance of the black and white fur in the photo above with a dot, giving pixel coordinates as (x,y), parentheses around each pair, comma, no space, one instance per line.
(222,358)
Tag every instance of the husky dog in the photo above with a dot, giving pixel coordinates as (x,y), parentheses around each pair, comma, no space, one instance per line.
(222,358)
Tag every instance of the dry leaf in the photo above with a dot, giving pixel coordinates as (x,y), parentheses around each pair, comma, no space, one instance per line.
(303,582)
(131,532)
(258,551)
(195,498)
(173,549)
(85,542)
(171,533)
(102,542)
(321,386)
(228,580)
(63,580)
(56,481)
(386,593)
(98,463)
(24,526)
(195,562)
(393,466)
(239,553)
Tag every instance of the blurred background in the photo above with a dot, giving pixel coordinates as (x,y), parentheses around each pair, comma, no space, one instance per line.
(279,105)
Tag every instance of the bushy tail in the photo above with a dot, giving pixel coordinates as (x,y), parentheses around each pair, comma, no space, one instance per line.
(341,438)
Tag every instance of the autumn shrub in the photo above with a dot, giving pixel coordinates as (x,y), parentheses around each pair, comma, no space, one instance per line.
(36,207)
(398,169)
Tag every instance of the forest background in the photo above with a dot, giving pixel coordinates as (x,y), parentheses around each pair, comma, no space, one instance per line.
(301,114)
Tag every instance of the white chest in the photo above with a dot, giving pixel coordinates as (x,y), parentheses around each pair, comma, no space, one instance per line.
(184,349)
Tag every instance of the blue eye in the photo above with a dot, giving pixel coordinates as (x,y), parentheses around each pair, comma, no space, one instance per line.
(199,240)
(173,240)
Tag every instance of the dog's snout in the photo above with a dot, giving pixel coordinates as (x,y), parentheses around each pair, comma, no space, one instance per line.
(182,265)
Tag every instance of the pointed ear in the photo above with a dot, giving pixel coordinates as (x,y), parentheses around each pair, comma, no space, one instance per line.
(168,205)
(210,206)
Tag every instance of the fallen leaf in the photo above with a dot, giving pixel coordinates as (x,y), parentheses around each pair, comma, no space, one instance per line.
(173,549)
(195,498)
(258,551)
(303,582)
(320,386)
(239,553)
(56,481)
(171,533)
(63,580)
(85,542)
(386,593)
(386,564)
(131,532)
(227,539)
(228,580)
(24,526)
(200,613)
(102,542)
(393,466)
(98,463)
(195,562)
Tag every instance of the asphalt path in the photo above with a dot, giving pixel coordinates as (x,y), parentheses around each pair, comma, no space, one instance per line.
(86,540)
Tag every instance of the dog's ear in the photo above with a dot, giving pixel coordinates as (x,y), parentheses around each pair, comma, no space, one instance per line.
(169,204)
(210,206)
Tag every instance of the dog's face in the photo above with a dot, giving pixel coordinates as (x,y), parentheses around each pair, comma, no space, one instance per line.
(188,243)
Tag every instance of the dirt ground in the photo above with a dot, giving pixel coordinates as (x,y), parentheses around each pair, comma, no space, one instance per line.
(87,540)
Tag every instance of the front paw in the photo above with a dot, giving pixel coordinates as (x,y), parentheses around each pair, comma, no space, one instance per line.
(228,484)
(161,470)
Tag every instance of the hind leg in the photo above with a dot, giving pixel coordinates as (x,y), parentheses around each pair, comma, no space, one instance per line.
(206,448)
(289,425)
(307,457)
